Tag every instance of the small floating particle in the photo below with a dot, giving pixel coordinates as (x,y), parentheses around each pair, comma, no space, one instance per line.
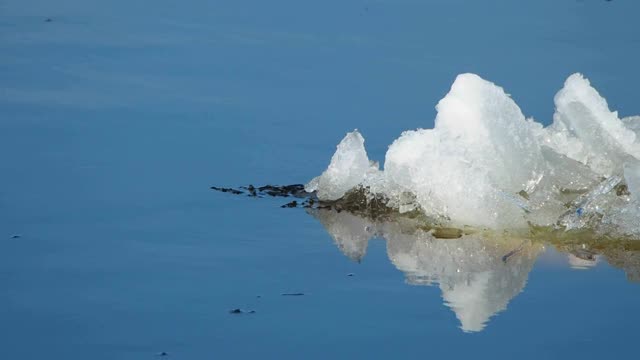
(16,236)
(48,20)
(350,274)
(292,294)
(163,354)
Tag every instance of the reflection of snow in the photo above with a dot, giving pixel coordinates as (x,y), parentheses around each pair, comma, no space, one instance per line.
(476,278)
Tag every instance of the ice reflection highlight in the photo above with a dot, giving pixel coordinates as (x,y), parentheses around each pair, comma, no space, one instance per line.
(479,273)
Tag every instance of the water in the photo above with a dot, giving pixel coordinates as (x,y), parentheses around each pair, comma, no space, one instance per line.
(115,118)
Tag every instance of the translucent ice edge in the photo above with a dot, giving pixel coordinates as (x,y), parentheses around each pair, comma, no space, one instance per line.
(485,165)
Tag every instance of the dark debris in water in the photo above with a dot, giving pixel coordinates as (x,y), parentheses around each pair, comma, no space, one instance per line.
(290,205)
(227,190)
(309,200)
(252,190)
(295,190)
(358,201)
(292,294)
(240,311)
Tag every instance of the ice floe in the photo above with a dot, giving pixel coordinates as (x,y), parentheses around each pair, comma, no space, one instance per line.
(486,165)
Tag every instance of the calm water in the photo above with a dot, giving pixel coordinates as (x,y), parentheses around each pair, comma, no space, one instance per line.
(116,117)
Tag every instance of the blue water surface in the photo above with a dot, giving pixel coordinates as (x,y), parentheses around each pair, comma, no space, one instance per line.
(117,116)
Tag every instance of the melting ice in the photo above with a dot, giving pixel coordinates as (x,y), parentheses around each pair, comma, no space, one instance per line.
(485,165)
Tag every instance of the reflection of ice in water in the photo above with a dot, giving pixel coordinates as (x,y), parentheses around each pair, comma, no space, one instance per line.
(351,233)
(619,255)
(476,282)
(478,274)
(581,263)
(476,278)
(582,258)
(629,261)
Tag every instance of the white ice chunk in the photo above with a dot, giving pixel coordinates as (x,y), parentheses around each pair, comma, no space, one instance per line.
(481,148)
(593,204)
(485,165)
(632,123)
(347,169)
(622,220)
(562,180)
(632,177)
(586,130)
